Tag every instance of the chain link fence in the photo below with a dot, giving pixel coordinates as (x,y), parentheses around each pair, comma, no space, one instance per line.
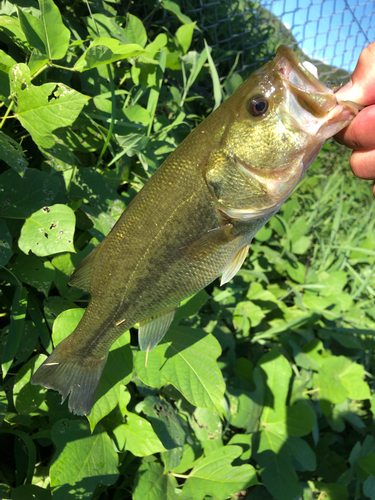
(245,33)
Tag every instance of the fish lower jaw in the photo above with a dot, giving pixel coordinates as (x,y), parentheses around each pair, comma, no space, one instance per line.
(337,119)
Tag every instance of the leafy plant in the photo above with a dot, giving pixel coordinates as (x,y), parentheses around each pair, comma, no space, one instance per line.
(262,387)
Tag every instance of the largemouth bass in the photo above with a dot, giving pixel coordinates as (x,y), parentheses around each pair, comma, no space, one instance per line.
(196,216)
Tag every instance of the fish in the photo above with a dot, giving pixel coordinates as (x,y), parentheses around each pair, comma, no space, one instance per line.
(196,216)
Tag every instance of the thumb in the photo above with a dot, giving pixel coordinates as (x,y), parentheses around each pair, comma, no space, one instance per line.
(361,88)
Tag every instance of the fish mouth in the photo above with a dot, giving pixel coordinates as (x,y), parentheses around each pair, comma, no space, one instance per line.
(308,101)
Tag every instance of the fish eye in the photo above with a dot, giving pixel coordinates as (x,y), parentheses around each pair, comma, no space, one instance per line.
(258,106)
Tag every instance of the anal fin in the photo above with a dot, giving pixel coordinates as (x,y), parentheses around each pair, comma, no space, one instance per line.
(234,265)
(153,329)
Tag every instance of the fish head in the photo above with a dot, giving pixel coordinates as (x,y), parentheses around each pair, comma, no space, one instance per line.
(279,120)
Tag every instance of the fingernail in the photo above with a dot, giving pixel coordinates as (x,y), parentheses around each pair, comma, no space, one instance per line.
(345,90)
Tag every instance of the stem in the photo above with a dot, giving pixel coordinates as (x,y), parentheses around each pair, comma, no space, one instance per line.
(6,114)
(40,70)
(181,475)
(113,115)
(61,67)
(14,276)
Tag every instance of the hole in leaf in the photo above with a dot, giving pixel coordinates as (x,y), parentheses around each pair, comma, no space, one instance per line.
(46,235)
(46,210)
(52,94)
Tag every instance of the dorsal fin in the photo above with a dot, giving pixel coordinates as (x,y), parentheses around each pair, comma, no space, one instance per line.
(234,265)
(153,329)
(81,277)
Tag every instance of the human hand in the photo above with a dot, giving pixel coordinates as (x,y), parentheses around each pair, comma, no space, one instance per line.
(360,134)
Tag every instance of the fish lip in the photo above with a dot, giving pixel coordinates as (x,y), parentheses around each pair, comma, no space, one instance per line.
(288,63)
(311,94)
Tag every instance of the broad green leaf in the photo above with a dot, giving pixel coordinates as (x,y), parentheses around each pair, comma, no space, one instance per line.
(82,460)
(208,428)
(34,271)
(245,441)
(191,306)
(65,323)
(186,358)
(3,407)
(300,419)
(135,31)
(31,491)
(277,376)
(10,25)
(175,9)
(214,475)
(48,231)
(47,33)
(137,436)
(11,152)
(369,487)
(43,109)
(28,342)
(168,427)
(116,374)
(107,26)
(21,196)
(17,320)
(152,484)
(279,476)
(60,157)
(6,62)
(331,491)
(103,222)
(5,243)
(184,35)
(37,61)
(339,378)
(29,399)
(105,50)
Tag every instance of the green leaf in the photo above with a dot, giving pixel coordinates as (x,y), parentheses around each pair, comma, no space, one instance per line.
(82,461)
(168,427)
(184,36)
(186,358)
(21,196)
(17,320)
(174,9)
(11,27)
(11,152)
(31,491)
(137,436)
(135,31)
(47,34)
(152,484)
(191,306)
(48,231)
(43,109)
(116,374)
(278,476)
(5,243)
(107,27)
(208,428)
(34,271)
(214,475)
(29,399)
(105,50)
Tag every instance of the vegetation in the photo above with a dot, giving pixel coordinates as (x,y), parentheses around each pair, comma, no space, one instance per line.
(270,391)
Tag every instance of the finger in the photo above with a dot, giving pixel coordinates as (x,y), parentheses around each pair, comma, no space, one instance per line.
(363,164)
(361,89)
(360,133)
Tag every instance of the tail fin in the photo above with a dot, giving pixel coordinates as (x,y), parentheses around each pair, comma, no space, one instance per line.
(68,374)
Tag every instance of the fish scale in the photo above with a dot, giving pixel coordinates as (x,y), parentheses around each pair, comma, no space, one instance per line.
(196,216)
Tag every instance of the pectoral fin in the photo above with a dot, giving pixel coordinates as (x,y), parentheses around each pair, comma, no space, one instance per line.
(234,265)
(208,243)
(153,329)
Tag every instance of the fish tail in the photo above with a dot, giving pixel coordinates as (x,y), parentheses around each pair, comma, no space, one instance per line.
(68,373)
